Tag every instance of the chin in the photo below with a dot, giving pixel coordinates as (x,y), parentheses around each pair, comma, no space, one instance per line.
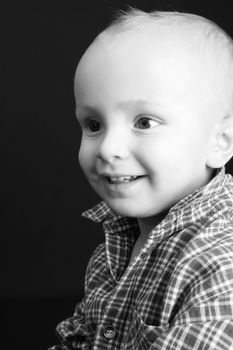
(123,210)
(137,210)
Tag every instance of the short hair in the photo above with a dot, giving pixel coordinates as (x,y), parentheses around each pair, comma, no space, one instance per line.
(215,45)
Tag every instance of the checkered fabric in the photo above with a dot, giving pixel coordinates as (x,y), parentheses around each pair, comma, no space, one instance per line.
(176,295)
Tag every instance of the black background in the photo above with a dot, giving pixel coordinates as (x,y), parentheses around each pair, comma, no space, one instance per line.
(45,244)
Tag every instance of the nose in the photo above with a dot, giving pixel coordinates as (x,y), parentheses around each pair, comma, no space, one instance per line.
(113,146)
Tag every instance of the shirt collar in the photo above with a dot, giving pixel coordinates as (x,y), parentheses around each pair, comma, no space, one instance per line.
(98,213)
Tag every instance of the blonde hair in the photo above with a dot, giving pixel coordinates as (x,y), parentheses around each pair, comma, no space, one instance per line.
(215,45)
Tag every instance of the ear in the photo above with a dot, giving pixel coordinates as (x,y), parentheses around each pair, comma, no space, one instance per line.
(222,144)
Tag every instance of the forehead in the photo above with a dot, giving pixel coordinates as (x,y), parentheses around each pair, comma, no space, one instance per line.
(143,54)
(156,40)
(136,62)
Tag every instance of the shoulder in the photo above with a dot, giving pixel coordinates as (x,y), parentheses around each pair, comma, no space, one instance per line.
(205,267)
(211,241)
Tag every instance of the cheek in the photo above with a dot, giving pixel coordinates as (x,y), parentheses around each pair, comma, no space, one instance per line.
(169,151)
(84,156)
(82,161)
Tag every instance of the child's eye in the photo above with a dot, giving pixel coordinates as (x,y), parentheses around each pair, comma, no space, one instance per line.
(93,125)
(145,123)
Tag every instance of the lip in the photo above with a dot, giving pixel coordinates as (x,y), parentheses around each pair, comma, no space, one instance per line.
(121,186)
(107,178)
(120,175)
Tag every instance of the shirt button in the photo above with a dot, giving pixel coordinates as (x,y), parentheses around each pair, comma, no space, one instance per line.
(109,331)
(151,235)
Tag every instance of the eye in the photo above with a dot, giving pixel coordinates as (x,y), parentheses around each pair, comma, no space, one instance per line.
(93,125)
(146,123)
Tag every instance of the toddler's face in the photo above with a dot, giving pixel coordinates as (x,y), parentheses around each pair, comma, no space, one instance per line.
(145,125)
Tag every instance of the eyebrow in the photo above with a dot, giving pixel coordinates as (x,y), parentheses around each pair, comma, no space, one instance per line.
(134,102)
(124,104)
(86,108)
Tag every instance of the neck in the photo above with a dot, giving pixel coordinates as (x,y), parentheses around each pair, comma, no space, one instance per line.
(147,224)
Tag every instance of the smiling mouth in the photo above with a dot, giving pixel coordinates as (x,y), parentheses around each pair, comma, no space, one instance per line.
(122,179)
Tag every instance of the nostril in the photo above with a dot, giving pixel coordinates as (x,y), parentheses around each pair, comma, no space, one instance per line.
(110,154)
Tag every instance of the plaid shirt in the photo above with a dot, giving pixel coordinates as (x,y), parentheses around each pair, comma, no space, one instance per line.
(177,293)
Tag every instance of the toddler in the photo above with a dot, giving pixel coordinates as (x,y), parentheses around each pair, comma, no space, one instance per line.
(154,97)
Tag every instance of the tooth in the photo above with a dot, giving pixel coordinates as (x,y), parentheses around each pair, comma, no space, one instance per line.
(113,178)
(122,179)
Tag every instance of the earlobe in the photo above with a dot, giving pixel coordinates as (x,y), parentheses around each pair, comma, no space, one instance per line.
(222,146)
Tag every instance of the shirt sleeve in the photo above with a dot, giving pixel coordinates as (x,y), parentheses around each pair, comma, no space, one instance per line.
(208,326)
(72,331)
